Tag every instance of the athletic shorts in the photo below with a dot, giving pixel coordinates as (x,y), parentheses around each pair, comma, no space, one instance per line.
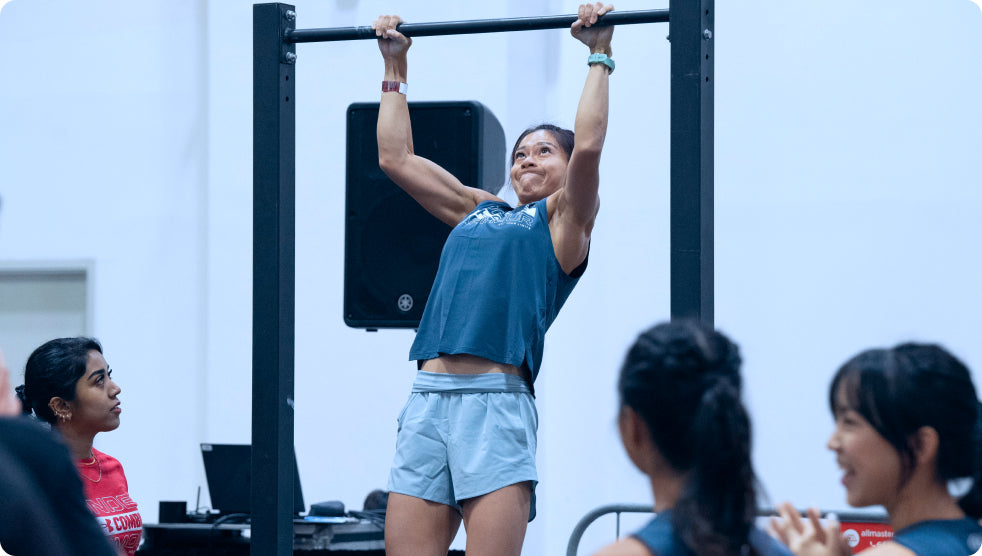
(462,436)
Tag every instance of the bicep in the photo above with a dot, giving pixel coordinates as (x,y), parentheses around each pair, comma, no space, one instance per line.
(581,193)
(436,190)
(576,207)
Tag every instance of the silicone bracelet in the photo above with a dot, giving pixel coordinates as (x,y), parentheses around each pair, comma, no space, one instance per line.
(601,58)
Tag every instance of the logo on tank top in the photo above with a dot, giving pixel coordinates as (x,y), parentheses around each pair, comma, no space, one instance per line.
(523,216)
(486,215)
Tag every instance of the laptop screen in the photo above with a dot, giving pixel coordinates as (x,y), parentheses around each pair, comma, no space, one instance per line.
(228,470)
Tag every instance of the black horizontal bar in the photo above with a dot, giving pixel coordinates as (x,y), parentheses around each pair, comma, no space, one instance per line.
(474,26)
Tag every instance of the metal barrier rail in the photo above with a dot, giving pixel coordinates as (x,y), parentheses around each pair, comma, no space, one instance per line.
(593,515)
(590,517)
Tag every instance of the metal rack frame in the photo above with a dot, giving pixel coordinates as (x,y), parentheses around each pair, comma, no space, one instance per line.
(691,27)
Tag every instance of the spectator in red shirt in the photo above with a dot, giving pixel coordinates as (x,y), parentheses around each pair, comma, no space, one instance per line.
(43,511)
(68,384)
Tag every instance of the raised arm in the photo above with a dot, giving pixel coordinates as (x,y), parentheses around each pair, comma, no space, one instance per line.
(578,201)
(436,189)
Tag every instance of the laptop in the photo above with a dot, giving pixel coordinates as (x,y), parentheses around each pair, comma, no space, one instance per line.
(228,471)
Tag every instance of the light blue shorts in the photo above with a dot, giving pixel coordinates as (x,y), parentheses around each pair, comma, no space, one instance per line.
(462,436)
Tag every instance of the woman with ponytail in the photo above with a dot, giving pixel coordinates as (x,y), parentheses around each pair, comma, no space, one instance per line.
(68,384)
(684,425)
(42,508)
(906,426)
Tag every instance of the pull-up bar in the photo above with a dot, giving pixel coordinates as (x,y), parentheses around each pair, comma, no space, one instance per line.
(274,197)
(475,26)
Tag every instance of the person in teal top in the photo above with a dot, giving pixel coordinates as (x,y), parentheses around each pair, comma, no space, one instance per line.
(906,425)
(465,448)
(684,425)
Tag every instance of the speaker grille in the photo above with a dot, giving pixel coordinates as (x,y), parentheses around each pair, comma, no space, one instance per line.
(392,245)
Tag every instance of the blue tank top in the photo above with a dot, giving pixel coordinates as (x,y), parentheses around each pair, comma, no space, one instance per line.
(660,538)
(498,288)
(941,536)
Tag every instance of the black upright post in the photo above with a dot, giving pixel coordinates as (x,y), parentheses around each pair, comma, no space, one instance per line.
(691,33)
(273,242)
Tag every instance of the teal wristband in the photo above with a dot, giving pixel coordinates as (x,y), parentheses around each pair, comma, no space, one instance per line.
(601,58)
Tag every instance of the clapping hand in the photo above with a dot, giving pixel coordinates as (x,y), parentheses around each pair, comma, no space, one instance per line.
(808,538)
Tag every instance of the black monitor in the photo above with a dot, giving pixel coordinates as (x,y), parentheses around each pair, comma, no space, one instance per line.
(228,470)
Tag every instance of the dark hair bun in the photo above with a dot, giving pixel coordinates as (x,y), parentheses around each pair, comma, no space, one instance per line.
(22,396)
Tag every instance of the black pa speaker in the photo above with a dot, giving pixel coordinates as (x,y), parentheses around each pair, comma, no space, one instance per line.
(391,245)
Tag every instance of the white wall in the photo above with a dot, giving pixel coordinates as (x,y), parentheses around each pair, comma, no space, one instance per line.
(102,158)
(846,188)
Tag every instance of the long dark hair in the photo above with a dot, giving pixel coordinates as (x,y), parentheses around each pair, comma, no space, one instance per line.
(52,371)
(683,379)
(901,389)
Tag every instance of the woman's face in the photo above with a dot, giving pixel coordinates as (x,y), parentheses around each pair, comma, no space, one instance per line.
(871,466)
(539,167)
(95,407)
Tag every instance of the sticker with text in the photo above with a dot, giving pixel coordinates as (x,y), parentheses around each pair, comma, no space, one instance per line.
(861,536)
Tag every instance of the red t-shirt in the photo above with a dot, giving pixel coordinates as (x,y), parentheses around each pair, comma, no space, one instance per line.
(107,495)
